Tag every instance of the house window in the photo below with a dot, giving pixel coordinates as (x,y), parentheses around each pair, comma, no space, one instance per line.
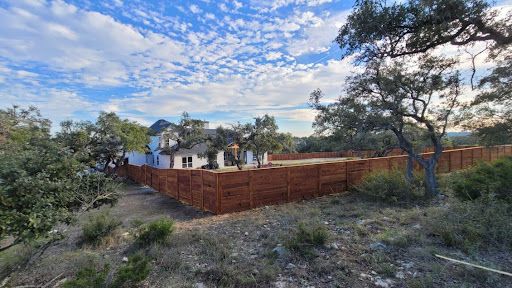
(254,158)
(158,160)
(186,162)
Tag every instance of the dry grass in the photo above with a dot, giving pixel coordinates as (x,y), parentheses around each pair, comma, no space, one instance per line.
(236,250)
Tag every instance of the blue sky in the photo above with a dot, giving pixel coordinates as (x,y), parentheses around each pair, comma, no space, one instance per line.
(222,61)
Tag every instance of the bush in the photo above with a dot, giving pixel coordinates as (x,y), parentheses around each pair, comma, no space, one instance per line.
(135,270)
(155,232)
(306,237)
(88,277)
(98,227)
(391,187)
(484,179)
(470,225)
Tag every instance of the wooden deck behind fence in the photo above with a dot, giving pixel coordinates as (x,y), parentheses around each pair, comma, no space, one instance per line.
(224,192)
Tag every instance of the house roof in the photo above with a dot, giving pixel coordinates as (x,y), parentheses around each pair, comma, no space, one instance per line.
(160,125)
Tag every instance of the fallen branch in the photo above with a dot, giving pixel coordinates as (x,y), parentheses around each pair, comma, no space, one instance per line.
(474,265)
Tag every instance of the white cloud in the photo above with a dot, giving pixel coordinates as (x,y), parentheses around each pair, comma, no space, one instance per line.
(194,9)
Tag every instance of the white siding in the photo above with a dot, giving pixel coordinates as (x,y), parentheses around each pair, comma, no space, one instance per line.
(136,158)
(196,161)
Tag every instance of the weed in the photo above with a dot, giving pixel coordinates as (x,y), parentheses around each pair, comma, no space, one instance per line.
(399,238)
(99,226)
(306,237)
(89,277)
(390,187)
(470,225)
(484,179)
(132,272)
(157,231)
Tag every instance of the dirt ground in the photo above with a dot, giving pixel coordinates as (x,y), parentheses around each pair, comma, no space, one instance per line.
(368,245)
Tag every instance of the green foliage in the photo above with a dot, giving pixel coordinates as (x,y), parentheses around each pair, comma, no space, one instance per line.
(155,232)
(485,179)
(390,187)
(95,189)
(134,271)
(185,134)
(263,136)
(89,277)
(36,176)
(99,226)
(307,236)
(115,137)
(470,225)
(412,27)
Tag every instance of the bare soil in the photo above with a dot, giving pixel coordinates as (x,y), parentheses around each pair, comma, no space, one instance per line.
(369,245)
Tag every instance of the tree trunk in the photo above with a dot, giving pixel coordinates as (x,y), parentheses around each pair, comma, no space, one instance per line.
(171,160)
(258,159)
(430,178)
(409,172)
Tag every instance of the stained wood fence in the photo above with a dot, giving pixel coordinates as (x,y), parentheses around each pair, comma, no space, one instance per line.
(225,192)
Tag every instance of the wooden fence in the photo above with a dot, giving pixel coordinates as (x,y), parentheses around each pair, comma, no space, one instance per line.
(224,192)
(347,153)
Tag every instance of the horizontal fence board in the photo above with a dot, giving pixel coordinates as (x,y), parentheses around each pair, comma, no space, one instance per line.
(225,192)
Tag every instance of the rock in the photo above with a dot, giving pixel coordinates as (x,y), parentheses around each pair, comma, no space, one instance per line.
(246,233)
(280,284)
(400,275)
(280,251)
(290,266)
(334,246)
(385,283)
(125,259)
(326,222)
(407,265)
(199,285)
(417,226)
(378,246)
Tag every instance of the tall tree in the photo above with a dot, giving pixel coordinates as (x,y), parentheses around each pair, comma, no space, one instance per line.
(263,136)
(42,183)
(415,27)
(394,96)
(185,134)
(115,137)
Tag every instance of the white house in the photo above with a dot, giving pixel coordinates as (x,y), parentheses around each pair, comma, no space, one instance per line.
(184,158)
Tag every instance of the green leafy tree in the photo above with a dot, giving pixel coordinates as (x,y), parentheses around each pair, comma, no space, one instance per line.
(415,27)
(42,182)
(395,96)
(185,134)
(215,143)
(115,137)
(263,136)
(287,143)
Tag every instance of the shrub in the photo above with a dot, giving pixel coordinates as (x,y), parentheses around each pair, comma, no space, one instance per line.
(155,232)
(391,187)
(88,277)
(98,227)
(484,179)
(306,237)
(470,225)
(132,272)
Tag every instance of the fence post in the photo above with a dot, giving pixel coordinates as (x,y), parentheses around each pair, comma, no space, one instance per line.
(219,207)
(190,187)
(288,184)
(251,175)
(202,191)
(319,183)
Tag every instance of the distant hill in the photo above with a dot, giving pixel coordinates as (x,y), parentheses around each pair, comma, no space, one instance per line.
(159,125)
(458,134)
